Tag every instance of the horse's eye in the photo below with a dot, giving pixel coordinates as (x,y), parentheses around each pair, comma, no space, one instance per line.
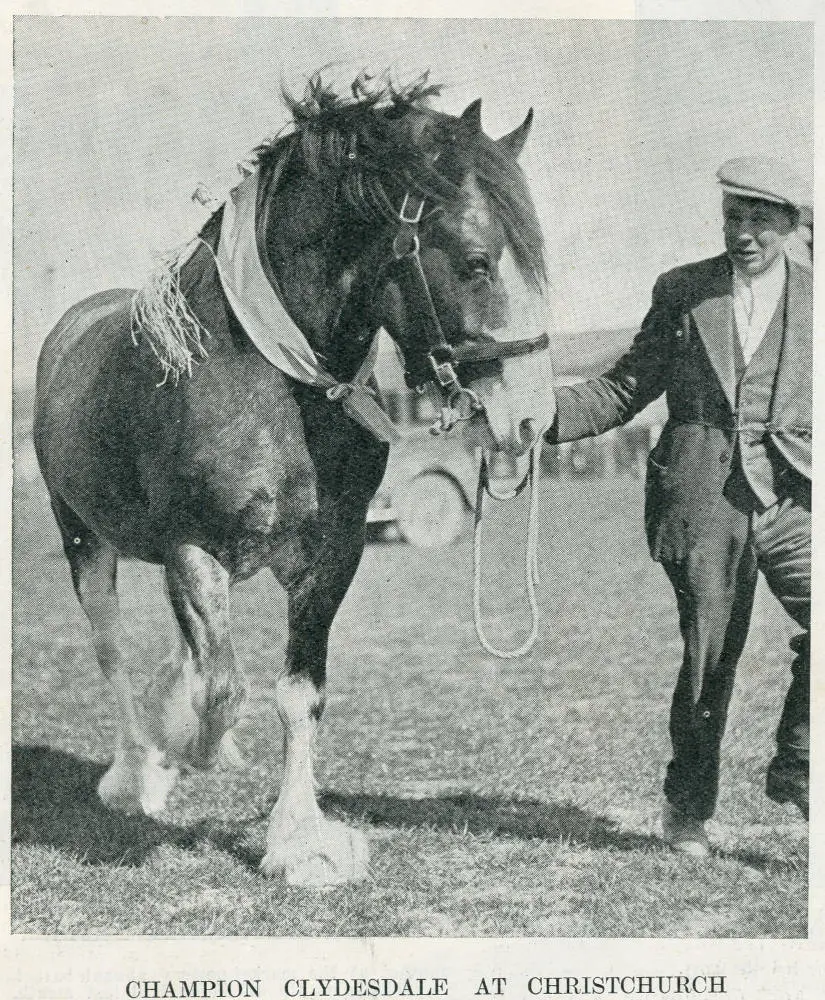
(478,266)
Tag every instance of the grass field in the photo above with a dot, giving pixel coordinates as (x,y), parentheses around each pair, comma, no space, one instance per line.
(500,798)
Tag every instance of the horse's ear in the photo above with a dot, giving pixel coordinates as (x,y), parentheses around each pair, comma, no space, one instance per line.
(471,115)
(514,141)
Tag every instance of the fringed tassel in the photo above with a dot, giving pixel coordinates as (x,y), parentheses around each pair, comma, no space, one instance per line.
(161,317)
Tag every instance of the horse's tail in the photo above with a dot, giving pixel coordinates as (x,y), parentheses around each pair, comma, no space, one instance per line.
(162,318)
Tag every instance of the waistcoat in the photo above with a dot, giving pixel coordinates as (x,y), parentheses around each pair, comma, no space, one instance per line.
(758,463)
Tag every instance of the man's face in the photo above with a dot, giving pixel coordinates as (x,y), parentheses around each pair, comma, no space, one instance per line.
(755,231)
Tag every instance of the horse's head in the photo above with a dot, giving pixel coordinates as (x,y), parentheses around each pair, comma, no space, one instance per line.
(414,211)
(445,300)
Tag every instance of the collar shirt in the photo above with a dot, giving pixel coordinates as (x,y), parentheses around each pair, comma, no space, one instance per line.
(754,302)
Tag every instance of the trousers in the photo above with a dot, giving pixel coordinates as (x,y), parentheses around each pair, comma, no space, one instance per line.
(714,589)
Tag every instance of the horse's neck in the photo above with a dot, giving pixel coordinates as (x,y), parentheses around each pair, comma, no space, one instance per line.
(299,241)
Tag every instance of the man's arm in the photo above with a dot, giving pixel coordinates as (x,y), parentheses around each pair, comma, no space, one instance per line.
(640,376)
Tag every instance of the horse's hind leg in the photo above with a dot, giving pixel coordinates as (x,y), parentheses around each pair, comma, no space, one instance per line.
(202,698)
(137,781)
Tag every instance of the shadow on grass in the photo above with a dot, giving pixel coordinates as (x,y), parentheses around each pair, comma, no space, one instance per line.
(523,819)
(762,862)
(55,804)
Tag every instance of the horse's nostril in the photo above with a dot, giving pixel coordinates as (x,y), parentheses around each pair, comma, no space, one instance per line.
(527,430)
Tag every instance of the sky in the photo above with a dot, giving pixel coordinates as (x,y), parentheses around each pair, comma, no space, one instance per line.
(117,120)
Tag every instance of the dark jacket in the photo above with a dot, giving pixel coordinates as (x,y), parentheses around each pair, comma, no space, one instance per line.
(686,349)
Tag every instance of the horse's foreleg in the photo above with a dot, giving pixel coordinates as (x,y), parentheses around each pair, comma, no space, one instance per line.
(137,781)
(200,699)
(308,849)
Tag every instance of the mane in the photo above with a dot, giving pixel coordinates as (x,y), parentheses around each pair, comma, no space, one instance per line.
(379,138)
(382,136)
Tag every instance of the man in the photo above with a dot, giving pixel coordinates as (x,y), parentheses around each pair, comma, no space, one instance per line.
(728,489)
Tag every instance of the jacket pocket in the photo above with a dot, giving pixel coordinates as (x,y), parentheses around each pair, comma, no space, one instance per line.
(659,459)
(658,495)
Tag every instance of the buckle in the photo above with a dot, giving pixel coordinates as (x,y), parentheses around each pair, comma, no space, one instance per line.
(444,371)
(339,391)
(408,236)
(417,209)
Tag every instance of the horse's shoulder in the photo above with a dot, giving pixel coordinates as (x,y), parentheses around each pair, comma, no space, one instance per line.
(240,419)
(88,311)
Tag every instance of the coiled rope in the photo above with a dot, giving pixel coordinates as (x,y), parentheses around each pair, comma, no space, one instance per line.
(531,564)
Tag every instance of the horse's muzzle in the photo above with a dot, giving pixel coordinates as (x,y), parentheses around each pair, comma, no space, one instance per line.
(478,433)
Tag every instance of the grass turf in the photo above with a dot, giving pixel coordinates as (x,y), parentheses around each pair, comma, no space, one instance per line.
(500,798)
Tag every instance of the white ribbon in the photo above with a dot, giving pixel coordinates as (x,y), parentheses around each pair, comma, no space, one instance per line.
(269,326)
(252,297)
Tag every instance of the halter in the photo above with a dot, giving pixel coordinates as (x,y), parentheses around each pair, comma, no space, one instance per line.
(442,357)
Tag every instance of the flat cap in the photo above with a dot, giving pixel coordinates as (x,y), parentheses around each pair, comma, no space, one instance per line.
(766,179)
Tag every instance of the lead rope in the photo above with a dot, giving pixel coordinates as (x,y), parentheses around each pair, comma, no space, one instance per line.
(531,563)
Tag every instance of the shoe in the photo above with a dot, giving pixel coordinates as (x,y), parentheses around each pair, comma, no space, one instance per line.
(788,784)
(685,834)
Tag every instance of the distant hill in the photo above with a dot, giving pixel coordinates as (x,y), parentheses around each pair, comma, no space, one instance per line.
(588,353)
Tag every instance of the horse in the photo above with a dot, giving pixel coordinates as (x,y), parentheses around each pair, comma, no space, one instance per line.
(166,433)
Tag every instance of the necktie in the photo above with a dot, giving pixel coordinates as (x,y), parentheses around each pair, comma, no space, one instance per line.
(747,299)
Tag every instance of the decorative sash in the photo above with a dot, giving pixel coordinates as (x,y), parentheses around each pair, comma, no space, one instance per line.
(251,295)
(269,326)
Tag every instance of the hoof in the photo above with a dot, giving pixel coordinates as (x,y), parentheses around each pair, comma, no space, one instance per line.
(137,782)
(319,856)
